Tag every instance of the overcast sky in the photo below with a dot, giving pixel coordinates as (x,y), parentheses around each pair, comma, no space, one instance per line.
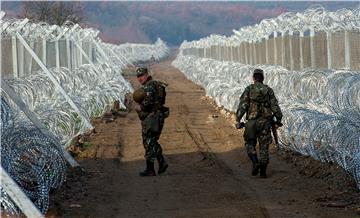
(182,20)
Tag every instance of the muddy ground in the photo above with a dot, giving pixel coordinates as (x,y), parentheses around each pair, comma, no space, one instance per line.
(208,174)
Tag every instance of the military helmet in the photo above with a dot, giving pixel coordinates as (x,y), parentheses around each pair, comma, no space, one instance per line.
(141,71)
(139,95)
(259,71)
(258,75)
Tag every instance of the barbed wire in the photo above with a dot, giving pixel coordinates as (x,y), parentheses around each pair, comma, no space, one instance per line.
(321,108)
(316,18)
(32,159)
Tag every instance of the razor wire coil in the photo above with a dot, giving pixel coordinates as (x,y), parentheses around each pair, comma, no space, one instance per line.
(321,108)
(32,159)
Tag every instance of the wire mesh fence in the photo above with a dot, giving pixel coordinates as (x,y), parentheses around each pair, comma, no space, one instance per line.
(64,75)
(315,38)
(310,59)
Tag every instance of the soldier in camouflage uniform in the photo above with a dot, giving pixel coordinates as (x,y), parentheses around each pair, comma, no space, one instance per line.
(152,114)
(259,103)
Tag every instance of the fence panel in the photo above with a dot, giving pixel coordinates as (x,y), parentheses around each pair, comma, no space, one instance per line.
(355,50)
(6,57)
(320,50)
(338,47)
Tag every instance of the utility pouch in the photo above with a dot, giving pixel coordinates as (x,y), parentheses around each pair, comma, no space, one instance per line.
(165,112)
(152,123)
(250,130)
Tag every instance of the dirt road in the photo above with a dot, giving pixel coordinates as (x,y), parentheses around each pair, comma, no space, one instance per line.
(208,174)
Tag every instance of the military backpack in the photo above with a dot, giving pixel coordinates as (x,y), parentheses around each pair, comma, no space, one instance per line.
(259,102)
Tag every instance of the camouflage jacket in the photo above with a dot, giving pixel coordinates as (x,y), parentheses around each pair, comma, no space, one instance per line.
(258,100)
(151,102)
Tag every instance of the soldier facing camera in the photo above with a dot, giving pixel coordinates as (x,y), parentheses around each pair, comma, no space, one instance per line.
(150,99)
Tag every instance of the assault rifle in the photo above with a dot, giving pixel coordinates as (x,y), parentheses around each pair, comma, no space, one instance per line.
(239,125)
(274,126)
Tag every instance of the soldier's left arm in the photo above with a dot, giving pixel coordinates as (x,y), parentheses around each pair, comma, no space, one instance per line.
(274,106)
(243,105)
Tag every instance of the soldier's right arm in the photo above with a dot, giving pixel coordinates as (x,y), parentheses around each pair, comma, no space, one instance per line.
(244,104)
(274,106)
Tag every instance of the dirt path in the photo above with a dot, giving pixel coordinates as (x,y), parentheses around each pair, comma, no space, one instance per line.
(208,176)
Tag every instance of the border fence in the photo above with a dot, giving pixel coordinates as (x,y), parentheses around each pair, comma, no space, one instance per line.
(316,39)
(54,79)
(312,65)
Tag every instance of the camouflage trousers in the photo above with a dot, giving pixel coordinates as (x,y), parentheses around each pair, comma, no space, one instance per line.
(151,131)
(258,130)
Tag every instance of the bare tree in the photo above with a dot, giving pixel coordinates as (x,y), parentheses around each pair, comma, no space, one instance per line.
(53,12)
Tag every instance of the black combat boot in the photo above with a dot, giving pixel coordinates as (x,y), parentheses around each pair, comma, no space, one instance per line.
(162,164)
(149,171)
(255,164)
(263,171)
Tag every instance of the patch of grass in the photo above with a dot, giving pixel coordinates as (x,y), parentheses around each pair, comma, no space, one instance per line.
(87,144)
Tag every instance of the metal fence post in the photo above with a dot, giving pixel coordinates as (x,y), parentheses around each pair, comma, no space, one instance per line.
(90,51)
(57,54)
(275,49)
(18,196)
(312,48)
(80,55)
(329,49)
(14,56)
(283,49)
(301,38)
(347,49)
(291,34)
(32,45)
(267,49)
(44,51)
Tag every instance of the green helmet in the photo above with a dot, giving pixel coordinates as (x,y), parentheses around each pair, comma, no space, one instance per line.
(141,71)
(258,71)
(139,95)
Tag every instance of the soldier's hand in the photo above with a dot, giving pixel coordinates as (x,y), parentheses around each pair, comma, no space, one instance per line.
(278,125)
(136,107)
(239,125)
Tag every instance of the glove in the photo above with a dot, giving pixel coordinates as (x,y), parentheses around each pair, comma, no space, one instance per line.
(239,125)
(279,124)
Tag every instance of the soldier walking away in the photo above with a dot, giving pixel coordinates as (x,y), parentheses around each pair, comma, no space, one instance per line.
(259,103)
(152,113)
(152,59)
